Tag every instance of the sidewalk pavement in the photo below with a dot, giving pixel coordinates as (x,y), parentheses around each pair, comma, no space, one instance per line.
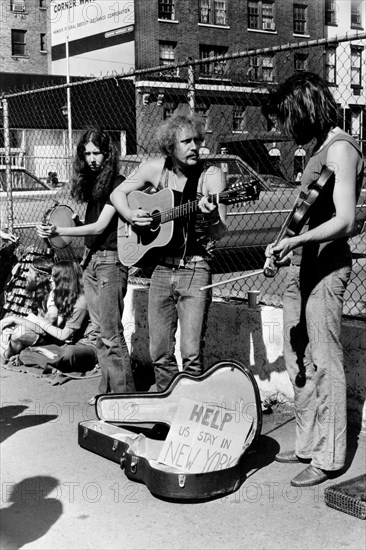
(56,495)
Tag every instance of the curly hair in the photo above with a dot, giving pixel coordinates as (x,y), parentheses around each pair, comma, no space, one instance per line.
(86,185)
(166,133)
(40,285)
(67,277)
(304,106)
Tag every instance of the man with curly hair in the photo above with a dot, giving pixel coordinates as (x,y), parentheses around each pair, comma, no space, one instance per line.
(182,267)
(96,174)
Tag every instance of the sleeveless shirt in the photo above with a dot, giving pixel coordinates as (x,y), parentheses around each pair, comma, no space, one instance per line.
(324,208)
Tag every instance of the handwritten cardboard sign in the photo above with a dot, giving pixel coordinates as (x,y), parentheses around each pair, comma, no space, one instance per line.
(204,437)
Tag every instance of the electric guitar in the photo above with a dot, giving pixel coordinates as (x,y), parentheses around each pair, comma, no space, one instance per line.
(164,208)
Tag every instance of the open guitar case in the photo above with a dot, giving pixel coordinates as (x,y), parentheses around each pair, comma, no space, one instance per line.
(130,430)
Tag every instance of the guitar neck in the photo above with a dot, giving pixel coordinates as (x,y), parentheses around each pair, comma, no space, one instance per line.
(184,209)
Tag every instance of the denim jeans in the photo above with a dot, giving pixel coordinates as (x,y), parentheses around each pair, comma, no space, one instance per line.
(105,284)
(175,295)
(312,303)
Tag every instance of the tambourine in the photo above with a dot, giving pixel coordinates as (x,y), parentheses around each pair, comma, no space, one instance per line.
(61,216)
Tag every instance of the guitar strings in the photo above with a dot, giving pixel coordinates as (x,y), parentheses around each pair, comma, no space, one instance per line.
(188,207)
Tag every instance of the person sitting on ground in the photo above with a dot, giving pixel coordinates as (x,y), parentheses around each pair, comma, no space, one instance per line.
(38,285)
(8,236)
(63,324)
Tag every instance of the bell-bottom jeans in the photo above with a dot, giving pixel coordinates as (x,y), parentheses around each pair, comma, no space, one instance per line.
(105,284)
(312,303)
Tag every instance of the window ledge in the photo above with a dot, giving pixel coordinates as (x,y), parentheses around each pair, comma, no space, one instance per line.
(302,35)
(262,31)
(16,56)
(43,52)
(168,21)
(214,26)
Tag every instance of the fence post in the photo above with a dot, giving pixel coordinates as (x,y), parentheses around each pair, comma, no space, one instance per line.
(191,88)
(8,178)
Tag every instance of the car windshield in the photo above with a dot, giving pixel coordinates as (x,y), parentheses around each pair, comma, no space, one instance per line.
(21,181)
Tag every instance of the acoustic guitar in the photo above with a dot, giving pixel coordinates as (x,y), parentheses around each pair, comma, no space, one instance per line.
(165,208)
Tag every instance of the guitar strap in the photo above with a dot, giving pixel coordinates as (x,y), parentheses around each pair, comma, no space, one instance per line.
(186,226)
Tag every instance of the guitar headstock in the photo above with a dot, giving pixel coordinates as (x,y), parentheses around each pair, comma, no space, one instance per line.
(241,192)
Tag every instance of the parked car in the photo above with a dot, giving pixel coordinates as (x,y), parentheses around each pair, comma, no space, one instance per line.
(252,224)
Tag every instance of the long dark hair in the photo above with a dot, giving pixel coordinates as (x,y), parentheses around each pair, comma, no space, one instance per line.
(85,185)
(304,106)
(40,286)
(67,277)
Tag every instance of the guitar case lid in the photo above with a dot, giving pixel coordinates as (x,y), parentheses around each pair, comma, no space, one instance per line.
(135,430)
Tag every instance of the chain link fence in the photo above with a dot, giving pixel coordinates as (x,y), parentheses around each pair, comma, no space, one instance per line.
(42,126)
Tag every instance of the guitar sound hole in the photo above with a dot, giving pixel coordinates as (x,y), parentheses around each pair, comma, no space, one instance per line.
(156,220)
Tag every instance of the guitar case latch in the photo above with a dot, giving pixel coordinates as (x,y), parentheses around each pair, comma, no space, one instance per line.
(85,433)
(181,480)
(115,445)
(134,461)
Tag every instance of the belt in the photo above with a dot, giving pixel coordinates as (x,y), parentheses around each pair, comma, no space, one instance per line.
(171,261)
(104,253)
(177,261)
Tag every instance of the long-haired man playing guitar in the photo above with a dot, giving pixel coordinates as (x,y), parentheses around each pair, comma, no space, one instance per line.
(317,278)
(182,267)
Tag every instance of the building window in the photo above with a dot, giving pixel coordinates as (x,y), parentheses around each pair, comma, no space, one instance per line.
(17,5)
(300,62)
(261,68)
(353,121)
(167,9)
(203,111)
(261,15)
(18,44)
(356,125)
(356,64)
(330,12)
(331,65)
(213,12)
(42,4)
(166,53)
(216,68)
(42,37)
(169,109)
(267,68)
(238,116)
(356,17)
(300,26)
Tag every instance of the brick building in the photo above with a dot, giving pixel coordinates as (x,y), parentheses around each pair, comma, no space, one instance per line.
(24,37)
(227,93)
(114,37)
